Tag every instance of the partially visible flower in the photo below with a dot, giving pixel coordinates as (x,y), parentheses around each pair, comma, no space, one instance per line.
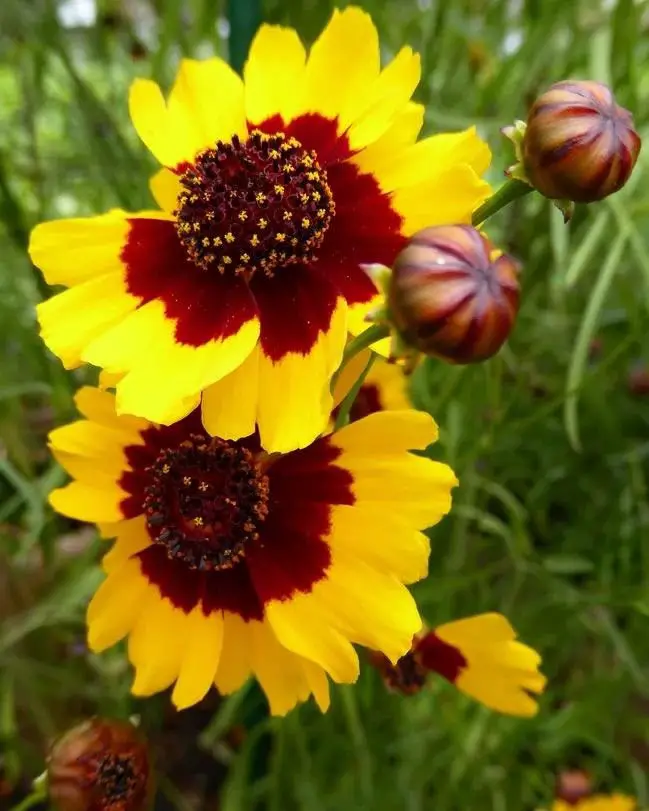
(599,802)
(231,562)
(273,190)
(480,656)
(385,387)
(578,144)
(452,295)
(100,765)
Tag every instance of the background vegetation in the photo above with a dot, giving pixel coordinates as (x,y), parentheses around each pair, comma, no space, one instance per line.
(550,439)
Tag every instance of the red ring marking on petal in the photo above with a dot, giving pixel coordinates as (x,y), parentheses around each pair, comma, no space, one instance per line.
(313,131)
(205,305)
(292,552)
(295,307)
(439,656)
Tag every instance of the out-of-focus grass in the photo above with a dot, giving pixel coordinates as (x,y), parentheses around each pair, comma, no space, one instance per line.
(551,520)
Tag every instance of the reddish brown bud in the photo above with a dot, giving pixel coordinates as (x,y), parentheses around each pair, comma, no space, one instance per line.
(407,676)
(638,380)
(100,765)
(579,144)
(573,785)
(449,296)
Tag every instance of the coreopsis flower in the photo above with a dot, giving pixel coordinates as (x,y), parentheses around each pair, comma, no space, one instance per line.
(598,802)
(385,387)
(273,190)
(577,145)
(101,764)
(480,655)
(229,561)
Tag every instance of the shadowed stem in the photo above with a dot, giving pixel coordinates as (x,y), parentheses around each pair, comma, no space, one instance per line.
(510,190)
(342,418)
(245,19)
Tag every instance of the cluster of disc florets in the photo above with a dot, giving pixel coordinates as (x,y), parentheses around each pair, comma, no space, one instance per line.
(254,205)
(205,502)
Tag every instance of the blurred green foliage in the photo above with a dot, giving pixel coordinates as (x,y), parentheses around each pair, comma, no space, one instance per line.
(550,438)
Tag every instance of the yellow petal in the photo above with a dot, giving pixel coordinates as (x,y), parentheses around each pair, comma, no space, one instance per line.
(87,503)
(349,375)
(416,488)
(367,606)
(162,133)
(279,671)
(275,64)
(382,539)
(207,102)
(386,99)
(303,629)
(489,688)
(144,346)
(74,251)
(165,188)
(318,683)
(451,195)
(229,406)
(427,156)
(204,641)
(343,63)
(98,406)
(234,665)
(72,319)
(357,323)
(391,384)
(157,644)
(387,431)
(403,131)
(132,537)
(295,401)
(114,609)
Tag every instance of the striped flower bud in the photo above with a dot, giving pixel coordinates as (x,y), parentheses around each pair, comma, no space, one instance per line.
(100,765)
(578,144)
(452,295)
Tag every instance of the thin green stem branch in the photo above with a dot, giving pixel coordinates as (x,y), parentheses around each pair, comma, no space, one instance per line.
(510,190)
(372,334)
(342,418)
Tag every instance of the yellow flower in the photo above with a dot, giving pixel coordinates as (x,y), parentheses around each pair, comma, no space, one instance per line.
(230,561)
(217,298)
(600,802)
(480,656)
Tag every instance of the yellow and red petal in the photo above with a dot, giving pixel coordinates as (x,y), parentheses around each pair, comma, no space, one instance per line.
(481,656)
(114,609)
(200,660)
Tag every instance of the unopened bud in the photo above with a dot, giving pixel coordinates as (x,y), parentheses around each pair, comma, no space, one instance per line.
(573,785)
(579,145)
(100,765)
(451,295)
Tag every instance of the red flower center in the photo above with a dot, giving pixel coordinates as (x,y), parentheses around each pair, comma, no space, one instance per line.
(252,205)
(205,501)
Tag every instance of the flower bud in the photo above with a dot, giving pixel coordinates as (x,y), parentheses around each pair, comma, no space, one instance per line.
(452,296)
(578,144)
(573,785)
(100,765)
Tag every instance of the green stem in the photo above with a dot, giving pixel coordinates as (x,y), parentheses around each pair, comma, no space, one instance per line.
(342,418)
(245,18)
(37,796)
(510,190)
(371,335)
